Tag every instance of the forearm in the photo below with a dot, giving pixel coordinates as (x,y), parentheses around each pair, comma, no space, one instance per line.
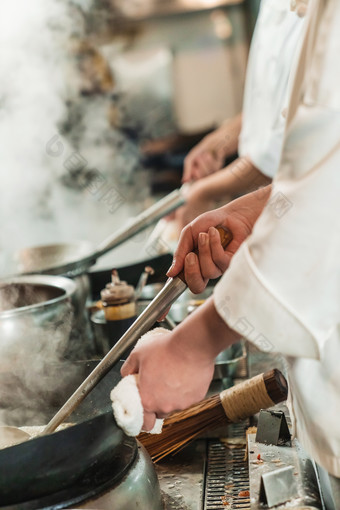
(209,155)
(230,131)
(204,333)
(248,207)
(241,176)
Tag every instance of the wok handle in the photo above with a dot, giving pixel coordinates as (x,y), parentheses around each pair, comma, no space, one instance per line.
(173,288)
(146,218)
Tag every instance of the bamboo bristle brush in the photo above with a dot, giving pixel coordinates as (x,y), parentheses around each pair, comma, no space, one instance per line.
(230,406)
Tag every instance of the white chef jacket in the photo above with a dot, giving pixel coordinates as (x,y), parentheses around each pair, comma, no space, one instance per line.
(275,41)
(282,290)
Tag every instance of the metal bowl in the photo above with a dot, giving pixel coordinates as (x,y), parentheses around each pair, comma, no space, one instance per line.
(229,361)
(187,303)
(150,291)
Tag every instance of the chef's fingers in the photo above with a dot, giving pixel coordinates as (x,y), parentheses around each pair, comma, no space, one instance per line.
(206,164)
(186,244)
(130,366)
(189,164)
(149,421)
(193,275)
(206,262)
(170,217)
(199,164)
(218,255)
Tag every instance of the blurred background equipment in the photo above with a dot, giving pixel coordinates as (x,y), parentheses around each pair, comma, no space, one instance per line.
(100,103)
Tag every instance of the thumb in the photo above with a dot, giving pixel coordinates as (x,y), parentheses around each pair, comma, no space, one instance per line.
(175,268)
(130,366)
(186,244)
(148,421)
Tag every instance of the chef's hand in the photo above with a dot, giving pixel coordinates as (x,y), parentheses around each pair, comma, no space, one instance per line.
(196,202)
(212,260)
(175,368)
(209,155)
(201,162)
(170,377)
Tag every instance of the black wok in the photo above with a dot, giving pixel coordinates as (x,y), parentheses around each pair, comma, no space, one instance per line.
(68,465)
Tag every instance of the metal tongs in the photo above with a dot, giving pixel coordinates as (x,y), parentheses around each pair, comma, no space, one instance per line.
(173,288)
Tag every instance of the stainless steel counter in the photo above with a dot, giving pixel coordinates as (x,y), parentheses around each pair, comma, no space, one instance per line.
(292,474)
(182,478)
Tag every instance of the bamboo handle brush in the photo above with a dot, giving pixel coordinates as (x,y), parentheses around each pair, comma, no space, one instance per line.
(230,406)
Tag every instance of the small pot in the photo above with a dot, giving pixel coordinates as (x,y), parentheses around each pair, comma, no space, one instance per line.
(34,308)
(36,321)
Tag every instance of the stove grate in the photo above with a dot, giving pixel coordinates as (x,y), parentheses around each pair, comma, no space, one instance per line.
(227,473)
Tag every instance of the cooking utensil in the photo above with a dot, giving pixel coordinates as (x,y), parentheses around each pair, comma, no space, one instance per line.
(131,273)
(85,455)
(81,462)
(229,361)
(169,322)
(170,292)
(22,295)
(31,308)
(10,436)
(148,270)
(230,406)
(187,302)
(72,259)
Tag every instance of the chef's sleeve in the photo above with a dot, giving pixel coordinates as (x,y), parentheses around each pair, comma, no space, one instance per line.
(282,289)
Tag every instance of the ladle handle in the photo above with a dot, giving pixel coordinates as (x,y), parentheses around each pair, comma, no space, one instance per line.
(173,288)
(225,236)
(146,218)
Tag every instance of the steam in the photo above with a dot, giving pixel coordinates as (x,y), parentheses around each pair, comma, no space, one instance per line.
(40,90)
(44,198)
(33,38)
(36,73)
(34,369)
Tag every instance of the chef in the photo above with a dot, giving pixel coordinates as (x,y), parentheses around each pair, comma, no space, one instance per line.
(282,289)
(257,134)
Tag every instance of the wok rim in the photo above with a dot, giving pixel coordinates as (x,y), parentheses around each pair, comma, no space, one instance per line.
(64,265)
